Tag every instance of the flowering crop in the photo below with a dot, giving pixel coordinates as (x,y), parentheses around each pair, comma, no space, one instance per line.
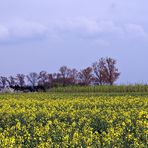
(43,120)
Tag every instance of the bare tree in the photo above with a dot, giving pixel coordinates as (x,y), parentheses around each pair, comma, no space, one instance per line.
(55,79)
(33,78)
(42,78)
(3,81)
(73,76)
(64,71)
(64,75)
(99,71)
(68,76)
(50,79)
(12,81)
(45,79)
(86,76)
(20,80)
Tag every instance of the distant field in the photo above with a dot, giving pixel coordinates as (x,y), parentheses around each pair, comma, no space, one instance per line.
(73,120)
(103,89)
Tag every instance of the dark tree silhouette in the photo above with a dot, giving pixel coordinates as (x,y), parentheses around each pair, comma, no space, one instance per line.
(3,81)
(45,79)
(20,80)
(33,79)
(64,75)
(12,81)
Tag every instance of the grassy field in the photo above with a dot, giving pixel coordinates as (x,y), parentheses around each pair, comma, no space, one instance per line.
(103,89)
(73,120)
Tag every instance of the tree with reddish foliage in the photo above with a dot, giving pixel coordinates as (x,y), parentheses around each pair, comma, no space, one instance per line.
(67,76)
(98,69)
(102,72)
(111,71)
(105,71)
(86,76)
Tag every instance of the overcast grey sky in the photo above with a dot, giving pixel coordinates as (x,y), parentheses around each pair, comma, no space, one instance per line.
(40,35)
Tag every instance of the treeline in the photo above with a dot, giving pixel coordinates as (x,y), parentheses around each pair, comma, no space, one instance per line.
(101,72)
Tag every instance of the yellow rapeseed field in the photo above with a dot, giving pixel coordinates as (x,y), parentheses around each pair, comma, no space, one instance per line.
(44,120)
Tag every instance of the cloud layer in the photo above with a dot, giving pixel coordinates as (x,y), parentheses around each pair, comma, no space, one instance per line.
(21,31)
(80,28)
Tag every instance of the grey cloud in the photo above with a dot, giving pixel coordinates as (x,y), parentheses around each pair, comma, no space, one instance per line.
(134,31)
(21,30)
(87,27)
(100,31)
(27,29)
